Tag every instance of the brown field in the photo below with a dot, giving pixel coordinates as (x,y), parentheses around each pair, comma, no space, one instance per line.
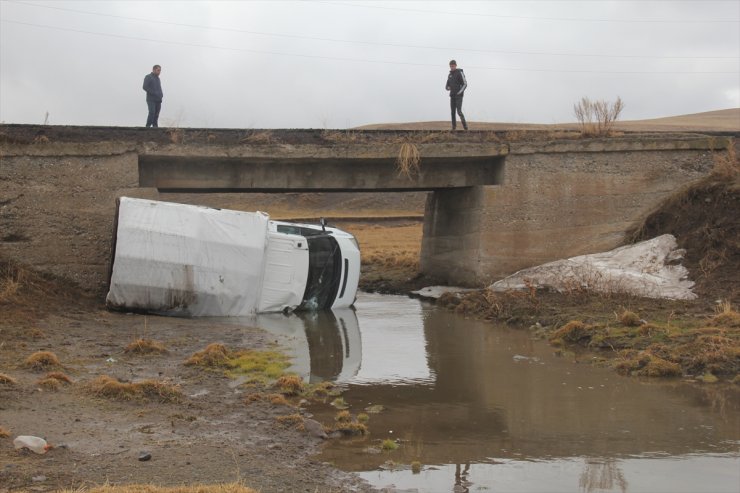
(710,121)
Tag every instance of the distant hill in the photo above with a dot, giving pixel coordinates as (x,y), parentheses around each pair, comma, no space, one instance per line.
(709,121)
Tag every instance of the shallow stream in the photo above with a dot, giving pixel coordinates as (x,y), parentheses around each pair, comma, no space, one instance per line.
(487,408)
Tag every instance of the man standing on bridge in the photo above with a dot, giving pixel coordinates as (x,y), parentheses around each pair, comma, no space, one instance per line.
(456,84)
(153,88)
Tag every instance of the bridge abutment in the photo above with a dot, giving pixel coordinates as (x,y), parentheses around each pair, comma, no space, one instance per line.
(556,201)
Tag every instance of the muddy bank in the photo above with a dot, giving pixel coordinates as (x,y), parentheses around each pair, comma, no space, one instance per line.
(206,430)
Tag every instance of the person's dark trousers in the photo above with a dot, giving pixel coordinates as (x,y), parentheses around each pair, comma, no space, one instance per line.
(152,120)
(456,105)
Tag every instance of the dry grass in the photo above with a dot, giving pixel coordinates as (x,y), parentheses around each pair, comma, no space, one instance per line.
(7,380)
(12,277)
(726,165)
(408,161)
(215,355)
(105,386)
(42,360)
(345,137)
(278,400)
(148,488)
(54,380)
(259,137)
(4,432)
(291,420)
(290,385)
(574,331)
(646,364)
(725,316)
(145,346)
(629,319)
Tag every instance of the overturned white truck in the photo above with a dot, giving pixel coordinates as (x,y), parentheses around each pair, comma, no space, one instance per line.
(186,260)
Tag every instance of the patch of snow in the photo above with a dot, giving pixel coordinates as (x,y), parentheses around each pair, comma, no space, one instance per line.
(434,292)
(649,268)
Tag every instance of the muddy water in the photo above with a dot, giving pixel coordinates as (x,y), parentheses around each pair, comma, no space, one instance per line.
(486,408)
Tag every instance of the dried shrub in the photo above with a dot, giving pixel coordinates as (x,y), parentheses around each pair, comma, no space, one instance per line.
(4,433)
(109,387)
(54,380)
(596,118)
(290,385)
(145,346)
(42,360)
(575,332)
(629,319)
(726,165)
(408,160)
(351,428)
(291,420)
(343,417)
(725,316)
(7,380)
(215,355)
(11,281)
(278,400)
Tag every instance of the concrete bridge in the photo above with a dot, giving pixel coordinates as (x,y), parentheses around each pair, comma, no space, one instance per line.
(499,201)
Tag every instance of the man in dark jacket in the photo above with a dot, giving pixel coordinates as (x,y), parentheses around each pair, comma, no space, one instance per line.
(153,88)
(456,84)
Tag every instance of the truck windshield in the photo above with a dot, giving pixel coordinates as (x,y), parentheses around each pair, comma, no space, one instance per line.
(324,272)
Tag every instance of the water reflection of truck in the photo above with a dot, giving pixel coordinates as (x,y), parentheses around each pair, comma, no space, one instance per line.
(324,345)
(186,260)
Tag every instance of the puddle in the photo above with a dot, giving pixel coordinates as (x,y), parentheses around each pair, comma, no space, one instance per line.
(486,408)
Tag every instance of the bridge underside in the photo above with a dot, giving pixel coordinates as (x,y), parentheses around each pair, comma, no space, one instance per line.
(208,174)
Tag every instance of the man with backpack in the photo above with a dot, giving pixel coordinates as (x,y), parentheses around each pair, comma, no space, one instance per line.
(456,84)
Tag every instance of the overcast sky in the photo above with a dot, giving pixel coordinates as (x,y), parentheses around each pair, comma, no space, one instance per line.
(340,64)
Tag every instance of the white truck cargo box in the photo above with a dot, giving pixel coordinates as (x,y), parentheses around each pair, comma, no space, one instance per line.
(186,260)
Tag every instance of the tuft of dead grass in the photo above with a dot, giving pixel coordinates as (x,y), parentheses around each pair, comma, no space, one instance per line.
(408,161)
(54,380)
(42,360)
(106,386)
(574,331)
(4,432)
(290,385)
(629,319)
(725,316)
(7,380)
(215,355)
(291,420)
(278,400)
(149,488)
(145,346)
